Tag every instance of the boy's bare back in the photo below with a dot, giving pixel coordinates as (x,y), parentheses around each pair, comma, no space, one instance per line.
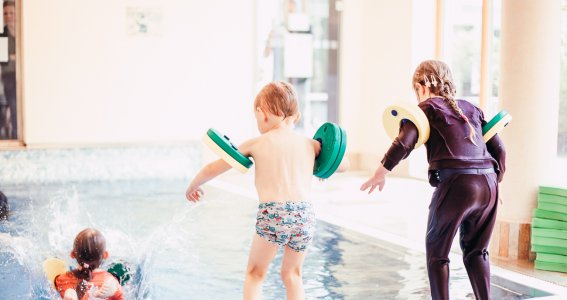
(284,163)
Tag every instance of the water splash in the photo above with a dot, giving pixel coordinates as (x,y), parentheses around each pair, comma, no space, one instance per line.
(170,235)
(176,248)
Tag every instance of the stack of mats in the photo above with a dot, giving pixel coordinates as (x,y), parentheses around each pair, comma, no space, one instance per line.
(549,229)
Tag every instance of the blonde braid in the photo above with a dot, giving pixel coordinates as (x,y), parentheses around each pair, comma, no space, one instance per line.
(441,83)
(457,109)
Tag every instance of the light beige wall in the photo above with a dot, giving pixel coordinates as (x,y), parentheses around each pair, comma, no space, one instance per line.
(88,82)
(529,91)
(379,51)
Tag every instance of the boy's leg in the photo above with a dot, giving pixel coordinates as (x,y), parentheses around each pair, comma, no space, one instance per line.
(262,253)
(292,263)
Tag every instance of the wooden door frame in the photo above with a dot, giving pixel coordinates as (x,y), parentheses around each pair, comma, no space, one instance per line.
(19,141)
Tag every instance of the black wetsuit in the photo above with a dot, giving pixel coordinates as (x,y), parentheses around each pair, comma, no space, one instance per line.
(466,178)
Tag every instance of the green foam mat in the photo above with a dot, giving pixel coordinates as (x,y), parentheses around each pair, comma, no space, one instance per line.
(550,233)
(552,258)
(552,190)
(552,215)
(552,207)
(547,266)
(555,199)
(547,241)
(548,224)
(549,249)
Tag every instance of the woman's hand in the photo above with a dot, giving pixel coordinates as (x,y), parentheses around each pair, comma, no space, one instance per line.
(377,180)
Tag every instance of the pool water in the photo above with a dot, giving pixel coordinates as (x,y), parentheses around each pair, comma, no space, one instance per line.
(179,250)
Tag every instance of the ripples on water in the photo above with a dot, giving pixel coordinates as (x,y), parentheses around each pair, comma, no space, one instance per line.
(179,250)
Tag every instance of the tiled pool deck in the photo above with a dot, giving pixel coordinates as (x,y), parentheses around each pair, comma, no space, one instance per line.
(397,215)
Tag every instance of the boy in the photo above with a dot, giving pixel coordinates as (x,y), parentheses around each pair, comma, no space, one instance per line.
(284,163)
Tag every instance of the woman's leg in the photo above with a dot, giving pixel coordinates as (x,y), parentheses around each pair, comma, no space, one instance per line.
(262,253)
(448,205)
(475,236)
(291,273)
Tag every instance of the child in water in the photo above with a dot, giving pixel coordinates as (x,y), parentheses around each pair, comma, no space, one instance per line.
(284,163)
(88,281)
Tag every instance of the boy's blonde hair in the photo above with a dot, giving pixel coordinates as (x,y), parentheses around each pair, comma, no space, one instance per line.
(278,98)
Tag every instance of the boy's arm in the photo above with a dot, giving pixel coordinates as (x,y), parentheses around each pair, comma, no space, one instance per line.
(246,147)
(208,172)
(213,170)
(343,166)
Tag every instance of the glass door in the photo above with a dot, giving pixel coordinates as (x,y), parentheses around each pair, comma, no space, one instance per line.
(10,115)
(298,42)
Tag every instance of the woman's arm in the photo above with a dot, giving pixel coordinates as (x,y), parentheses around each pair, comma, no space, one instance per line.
(400,149)
(402,146)
(377,180)
(496,148)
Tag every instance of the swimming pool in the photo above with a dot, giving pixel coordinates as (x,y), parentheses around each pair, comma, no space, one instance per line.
(185,251)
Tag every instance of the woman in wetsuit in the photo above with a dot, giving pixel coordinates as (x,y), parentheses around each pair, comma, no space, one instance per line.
(465,172)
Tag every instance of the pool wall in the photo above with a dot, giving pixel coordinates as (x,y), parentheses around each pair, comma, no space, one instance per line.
(99,163)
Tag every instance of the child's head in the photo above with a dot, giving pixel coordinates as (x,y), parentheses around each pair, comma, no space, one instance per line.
(89,249)
(277,99)
(435,75)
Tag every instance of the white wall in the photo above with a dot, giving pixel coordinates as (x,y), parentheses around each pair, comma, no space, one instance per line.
(86,81)
(529,91)
(377,58)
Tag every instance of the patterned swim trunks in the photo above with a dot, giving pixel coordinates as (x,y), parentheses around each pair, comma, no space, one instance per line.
(286,223)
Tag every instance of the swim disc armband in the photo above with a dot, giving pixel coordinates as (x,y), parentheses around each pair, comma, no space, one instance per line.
(395,115)
(53,267)
(495,125)
(121,271)
(333,146)
(331,136)
(221,145)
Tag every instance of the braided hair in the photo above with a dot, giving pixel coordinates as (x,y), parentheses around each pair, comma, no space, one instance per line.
(89,247)
(437,76)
